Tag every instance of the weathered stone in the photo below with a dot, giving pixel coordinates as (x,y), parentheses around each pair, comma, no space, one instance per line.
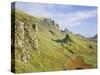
(25,39)
(24,59)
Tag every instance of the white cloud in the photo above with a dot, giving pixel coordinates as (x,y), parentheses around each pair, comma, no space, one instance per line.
(72,19)
(68,19)
(76,18)
(64,19)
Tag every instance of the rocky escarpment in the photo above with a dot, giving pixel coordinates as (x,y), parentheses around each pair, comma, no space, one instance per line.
(49,23)
(25,40)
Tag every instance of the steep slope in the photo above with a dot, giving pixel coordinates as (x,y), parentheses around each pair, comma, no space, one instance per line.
(40,45)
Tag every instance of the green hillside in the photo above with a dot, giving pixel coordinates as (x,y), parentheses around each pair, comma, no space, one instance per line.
(40,46)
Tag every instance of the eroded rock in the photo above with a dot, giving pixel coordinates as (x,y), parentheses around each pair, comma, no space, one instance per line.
(25,39)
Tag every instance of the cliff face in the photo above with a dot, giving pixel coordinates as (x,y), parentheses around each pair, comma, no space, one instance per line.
(49,23)
(25,39)
(24,33)
(38,44)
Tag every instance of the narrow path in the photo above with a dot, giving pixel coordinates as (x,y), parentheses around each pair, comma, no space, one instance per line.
(76,63)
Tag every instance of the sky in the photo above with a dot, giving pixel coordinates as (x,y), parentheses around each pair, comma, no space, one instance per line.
(77,19)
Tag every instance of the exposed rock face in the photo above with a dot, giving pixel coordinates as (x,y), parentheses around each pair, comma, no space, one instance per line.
(19,35)
(25,39)
(25,57)
(65,30)
(50,23)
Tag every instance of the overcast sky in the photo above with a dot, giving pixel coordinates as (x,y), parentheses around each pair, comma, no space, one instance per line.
(78,19)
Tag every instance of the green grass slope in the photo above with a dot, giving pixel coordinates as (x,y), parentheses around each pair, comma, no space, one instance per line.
(56,49)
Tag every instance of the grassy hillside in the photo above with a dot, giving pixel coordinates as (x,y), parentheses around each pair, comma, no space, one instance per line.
(56,50)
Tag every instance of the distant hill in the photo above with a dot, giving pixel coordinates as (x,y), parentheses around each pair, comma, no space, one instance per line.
(94,37)
(40,45)
(81,36)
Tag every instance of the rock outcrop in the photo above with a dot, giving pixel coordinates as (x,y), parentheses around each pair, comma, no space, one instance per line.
(49,23)
(25,39)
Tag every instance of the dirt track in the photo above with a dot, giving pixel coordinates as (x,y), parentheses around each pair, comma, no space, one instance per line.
(76,63)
